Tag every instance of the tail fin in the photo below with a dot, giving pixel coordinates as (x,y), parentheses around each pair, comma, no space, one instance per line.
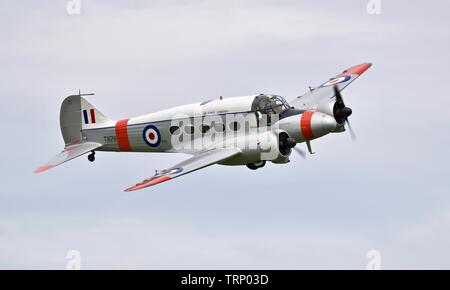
(91,117)
(78,114)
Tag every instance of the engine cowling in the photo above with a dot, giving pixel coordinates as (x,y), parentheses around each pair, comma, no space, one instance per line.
(308,126)
(336,109)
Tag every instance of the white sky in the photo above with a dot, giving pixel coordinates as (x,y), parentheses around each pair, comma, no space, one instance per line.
(388,191)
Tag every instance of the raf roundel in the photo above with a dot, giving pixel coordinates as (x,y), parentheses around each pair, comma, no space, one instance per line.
(151,136)
(175,170)
(336,81)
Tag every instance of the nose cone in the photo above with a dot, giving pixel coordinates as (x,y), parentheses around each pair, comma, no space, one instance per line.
(322,124)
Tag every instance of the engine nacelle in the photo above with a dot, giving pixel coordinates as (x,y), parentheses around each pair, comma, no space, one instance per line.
(327,108)
(270,148)
(308,126)
(339,114)
(263,146)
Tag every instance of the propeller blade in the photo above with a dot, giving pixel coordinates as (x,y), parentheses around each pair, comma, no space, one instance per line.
(339,99)
(300,152)
(341,112)
(352,134)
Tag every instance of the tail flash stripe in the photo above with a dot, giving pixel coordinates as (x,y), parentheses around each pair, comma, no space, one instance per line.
(305,125)
(92,116)
(85,115)
(122,135)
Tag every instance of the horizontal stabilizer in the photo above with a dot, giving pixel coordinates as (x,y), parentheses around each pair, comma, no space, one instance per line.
(69,152)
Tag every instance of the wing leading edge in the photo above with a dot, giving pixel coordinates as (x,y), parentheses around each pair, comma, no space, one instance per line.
(196,162)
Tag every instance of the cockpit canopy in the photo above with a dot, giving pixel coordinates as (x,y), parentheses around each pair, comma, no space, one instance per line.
(269,104)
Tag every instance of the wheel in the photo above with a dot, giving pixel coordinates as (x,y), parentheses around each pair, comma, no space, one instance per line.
(252,166)
(91,157)
(260,164)
(256,165)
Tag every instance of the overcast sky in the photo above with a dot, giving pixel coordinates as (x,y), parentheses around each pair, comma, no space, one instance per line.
(388,191)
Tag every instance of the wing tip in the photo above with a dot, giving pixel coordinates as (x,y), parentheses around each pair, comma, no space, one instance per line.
(358,69)
(148,182)
(43,168)
(135,187)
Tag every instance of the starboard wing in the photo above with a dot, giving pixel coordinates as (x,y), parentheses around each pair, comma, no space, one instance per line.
(196,162)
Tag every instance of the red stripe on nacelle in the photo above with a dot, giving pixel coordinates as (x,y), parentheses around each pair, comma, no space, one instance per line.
(122,135)
(305,125)
(92,116)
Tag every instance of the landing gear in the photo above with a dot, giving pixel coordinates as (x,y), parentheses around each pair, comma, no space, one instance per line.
(91,157)
(256,165)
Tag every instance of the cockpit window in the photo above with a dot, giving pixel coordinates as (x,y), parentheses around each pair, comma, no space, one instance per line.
(269,104)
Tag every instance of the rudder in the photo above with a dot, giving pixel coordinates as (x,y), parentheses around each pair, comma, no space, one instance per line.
(70,120)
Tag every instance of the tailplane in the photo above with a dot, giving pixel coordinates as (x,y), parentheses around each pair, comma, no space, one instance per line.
(70,152)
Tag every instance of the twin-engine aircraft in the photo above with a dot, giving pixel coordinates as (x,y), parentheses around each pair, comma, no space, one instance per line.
(248,130)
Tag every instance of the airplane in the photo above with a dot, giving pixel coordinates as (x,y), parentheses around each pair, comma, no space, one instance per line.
(246,130)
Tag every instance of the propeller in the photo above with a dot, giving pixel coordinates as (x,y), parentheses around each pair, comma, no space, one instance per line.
(352,134)
(341,112)
(300,152)
(286,144)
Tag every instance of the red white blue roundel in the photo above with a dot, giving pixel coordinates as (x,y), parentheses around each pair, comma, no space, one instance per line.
(336,81)
(172,171)
(175,170)
(152,136)
(169,171)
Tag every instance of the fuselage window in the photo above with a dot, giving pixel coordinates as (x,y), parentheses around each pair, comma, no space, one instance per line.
(189,129)
(219,127)
(204,128)
(235,126)
(174,129)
